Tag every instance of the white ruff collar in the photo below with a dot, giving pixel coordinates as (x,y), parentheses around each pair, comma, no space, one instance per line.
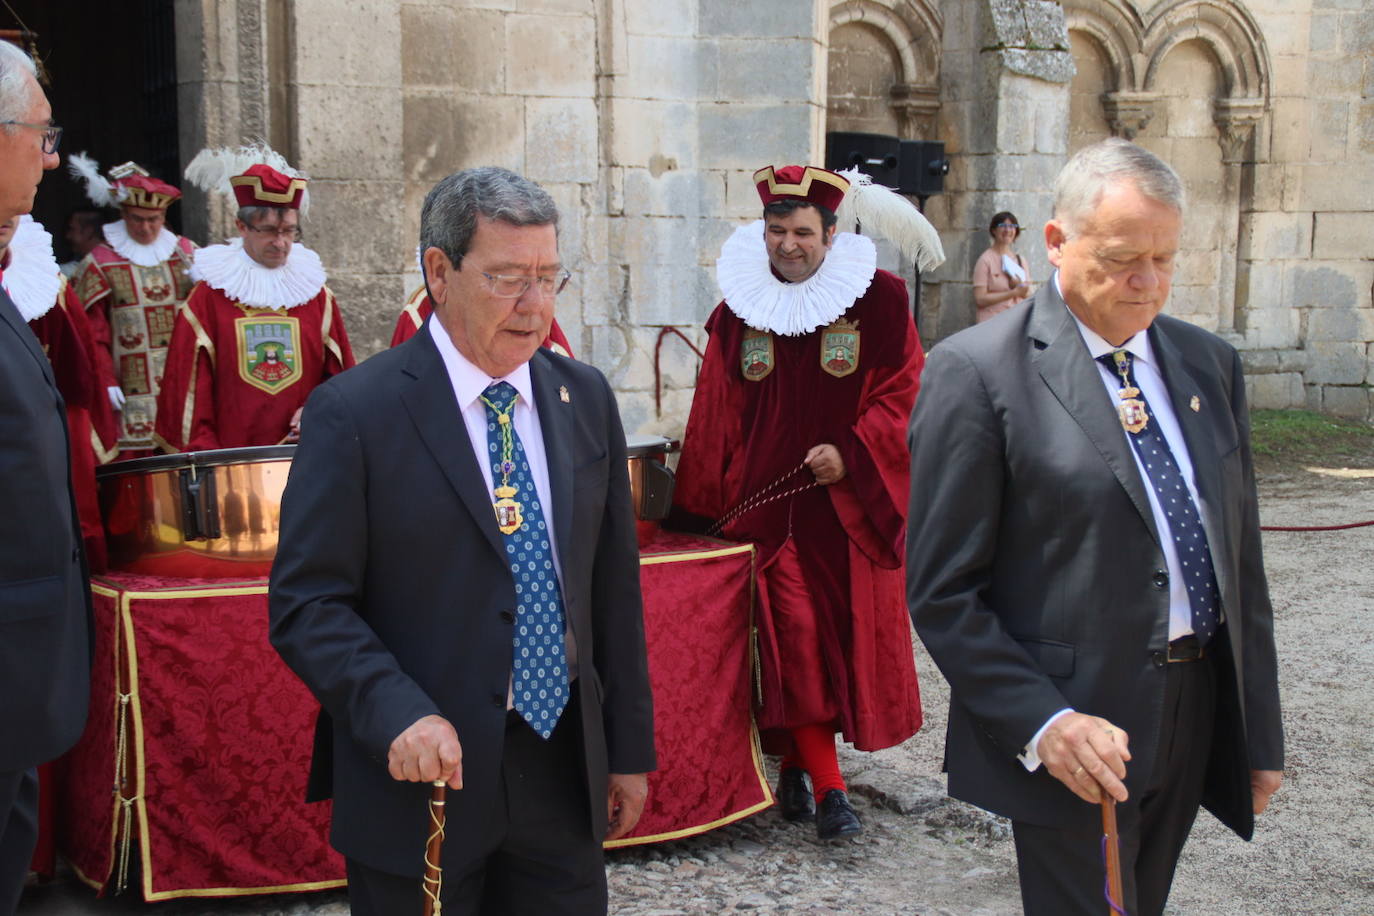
(32,278)
(162,248)
(766,303)
(229,269)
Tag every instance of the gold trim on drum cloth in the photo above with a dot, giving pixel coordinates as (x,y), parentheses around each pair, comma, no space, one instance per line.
(755,746)
(840,348)
(756,356)
(682,556)
(124,627)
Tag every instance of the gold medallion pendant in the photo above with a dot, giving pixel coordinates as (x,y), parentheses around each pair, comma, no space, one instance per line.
(509,517)
(1134,418)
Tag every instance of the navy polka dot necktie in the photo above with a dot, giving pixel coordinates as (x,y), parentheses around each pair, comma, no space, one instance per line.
(1185,524)
(539,681)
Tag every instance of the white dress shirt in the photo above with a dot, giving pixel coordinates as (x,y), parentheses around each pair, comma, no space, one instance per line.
(1145,368)
(469,383)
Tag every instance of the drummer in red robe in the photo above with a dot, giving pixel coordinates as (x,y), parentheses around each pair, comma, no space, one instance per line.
(797,441)
(260,329)
(43,296)
(418,308)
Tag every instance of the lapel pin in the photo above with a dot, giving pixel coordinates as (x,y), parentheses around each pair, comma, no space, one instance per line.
(1195,404)
(563,395)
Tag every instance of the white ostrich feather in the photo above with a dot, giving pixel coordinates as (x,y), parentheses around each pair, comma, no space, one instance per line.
(211,169)
(882,212)
(98,188)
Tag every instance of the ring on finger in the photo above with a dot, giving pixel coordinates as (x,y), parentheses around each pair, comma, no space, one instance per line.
(1078,772)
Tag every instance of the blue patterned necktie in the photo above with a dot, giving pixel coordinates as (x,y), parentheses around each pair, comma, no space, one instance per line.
(539,681)
(1185,524)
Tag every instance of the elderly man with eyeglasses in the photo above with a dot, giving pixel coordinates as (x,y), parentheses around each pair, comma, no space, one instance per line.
(261,329)
(458,584)
(131,284)
(45,612)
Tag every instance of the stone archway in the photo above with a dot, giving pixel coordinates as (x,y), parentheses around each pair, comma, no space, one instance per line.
(1143,62)
(884,67)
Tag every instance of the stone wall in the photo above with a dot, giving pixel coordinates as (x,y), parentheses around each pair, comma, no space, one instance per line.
(646,120)
(1004,94)
(1307,247)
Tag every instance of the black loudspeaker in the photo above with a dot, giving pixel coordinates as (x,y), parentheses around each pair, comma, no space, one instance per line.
(922,167)
(876,155)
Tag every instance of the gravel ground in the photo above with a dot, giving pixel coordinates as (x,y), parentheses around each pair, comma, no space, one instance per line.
(922,853)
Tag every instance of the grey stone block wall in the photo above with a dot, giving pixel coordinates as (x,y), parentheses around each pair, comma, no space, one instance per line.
(646,120)
(1307,241)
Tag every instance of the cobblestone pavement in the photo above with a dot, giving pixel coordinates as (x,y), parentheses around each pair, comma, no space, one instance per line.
(922,853)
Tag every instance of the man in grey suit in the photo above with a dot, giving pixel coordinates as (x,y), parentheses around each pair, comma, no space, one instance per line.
(458,583)
(45,613)
(1083,554)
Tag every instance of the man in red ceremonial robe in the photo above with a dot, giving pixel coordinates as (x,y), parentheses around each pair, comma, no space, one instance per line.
(797,441)
(131,285)
(38,288)
(418,308)
(260,329)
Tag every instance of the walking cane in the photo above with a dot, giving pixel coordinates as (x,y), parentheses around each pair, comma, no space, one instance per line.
(1111,854)
(434,874)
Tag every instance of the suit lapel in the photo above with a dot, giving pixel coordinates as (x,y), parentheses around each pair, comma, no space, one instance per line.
(555,420)
(1199,437)
(429,400)
(1069,371)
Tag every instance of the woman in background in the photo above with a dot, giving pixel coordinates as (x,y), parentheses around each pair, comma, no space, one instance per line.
(1000,277)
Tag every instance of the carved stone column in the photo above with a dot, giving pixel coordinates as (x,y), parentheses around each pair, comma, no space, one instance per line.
(1235,120)
(1129,113)
(916,106)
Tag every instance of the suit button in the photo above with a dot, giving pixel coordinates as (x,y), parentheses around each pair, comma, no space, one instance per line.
(1160,659)
(498,700)
(507,617)
(1160,579)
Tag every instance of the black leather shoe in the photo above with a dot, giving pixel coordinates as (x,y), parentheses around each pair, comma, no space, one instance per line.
(836,818)
(794,795)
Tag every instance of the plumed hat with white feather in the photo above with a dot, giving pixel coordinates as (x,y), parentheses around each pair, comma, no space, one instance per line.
(856,201)
(255,175)
(127,185)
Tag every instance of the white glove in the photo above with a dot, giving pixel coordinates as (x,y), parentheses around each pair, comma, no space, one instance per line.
(116,397)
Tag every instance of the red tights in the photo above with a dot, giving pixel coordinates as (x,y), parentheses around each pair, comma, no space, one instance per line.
(814,751)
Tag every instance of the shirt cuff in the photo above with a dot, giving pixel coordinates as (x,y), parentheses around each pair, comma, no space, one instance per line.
(1030,756)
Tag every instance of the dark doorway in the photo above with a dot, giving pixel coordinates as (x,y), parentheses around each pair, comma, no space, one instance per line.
(112,83)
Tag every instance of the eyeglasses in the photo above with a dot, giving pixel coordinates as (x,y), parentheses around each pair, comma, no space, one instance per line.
(291,233)
(506,287)
(1004,224)
(52,134)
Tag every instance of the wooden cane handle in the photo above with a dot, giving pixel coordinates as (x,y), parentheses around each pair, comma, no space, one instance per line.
(434,844)
(1111,842)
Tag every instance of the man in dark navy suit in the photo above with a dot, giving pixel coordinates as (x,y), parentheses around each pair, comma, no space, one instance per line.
(458,583)
(1083,557)
(45,614)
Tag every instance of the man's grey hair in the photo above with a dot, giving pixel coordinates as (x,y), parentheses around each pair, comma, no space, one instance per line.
(17,73)
(448,218)
(1093,169)
(249,216)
